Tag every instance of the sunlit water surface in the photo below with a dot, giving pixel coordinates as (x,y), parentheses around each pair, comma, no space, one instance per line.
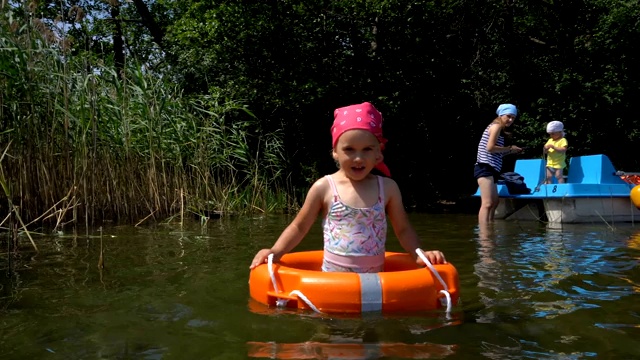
(528,292)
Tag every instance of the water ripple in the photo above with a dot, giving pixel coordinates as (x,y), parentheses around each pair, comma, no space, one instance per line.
(556,273)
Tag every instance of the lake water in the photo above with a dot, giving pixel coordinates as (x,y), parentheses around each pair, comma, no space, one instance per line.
(528,292)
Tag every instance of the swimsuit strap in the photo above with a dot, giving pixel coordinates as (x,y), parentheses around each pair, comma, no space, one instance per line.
(333,188)
(380,190)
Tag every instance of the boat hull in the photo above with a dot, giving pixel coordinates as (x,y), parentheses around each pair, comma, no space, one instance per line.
(593,192)
(569,210)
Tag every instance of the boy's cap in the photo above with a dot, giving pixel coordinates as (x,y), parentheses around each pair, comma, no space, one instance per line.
(505,109)
(555,126)
(359,116)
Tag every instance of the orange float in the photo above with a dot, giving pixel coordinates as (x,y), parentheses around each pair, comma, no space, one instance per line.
(635,196)
(297,281)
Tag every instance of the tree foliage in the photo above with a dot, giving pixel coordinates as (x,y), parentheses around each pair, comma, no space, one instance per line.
(436,69)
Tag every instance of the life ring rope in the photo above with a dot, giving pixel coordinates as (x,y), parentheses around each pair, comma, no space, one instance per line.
(437,275)
(280,302)
(299,294)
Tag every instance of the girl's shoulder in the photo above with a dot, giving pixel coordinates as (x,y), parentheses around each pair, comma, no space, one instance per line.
(390,185)
(563,141)
(320,190)
(387,180)
(322,182)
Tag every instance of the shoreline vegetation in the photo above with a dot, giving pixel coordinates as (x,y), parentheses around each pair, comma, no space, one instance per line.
(82,144)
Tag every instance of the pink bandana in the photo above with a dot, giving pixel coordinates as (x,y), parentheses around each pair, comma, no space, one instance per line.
(361,116)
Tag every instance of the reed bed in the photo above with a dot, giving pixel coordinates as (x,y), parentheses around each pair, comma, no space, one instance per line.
(84,144)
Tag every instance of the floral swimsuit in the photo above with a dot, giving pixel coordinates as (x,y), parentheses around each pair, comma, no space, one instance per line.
(354,238)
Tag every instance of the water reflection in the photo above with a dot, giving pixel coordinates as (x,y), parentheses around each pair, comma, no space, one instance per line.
(554,274)
(486,268)
(354,336)
(634,241)
(318,350)
(351,336)
(634,245)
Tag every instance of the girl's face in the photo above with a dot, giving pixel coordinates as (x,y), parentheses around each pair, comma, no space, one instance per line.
(507,119)
(357,152)
(556,135)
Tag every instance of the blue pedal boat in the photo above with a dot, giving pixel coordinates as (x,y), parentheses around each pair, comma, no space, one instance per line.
(593,192)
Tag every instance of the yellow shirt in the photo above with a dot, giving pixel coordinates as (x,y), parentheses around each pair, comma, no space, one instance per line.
(557,159)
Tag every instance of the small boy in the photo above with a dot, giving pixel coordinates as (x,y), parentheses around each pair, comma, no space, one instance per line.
(556,150)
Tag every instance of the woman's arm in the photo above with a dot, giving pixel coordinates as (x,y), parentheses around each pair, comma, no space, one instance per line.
(494,133)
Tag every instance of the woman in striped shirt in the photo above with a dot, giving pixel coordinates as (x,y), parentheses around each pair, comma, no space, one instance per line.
(488,165)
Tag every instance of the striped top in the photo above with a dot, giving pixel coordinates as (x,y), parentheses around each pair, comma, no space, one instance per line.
(493,159)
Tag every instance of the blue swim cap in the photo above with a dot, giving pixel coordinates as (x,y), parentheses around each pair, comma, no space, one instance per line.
(507,109)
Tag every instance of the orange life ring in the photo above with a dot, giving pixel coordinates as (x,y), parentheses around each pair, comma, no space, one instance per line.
(403,286)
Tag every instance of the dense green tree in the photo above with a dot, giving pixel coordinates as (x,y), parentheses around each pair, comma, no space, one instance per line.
(437,71)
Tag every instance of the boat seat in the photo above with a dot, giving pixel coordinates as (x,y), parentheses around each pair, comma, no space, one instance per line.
(533,171)
(592,169)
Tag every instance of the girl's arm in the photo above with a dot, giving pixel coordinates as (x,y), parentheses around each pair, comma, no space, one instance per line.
(299,227)
(563,148)
(402,227)
(559,149)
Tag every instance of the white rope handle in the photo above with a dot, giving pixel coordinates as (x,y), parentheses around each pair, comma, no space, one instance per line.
(279,302)
(283,302)
(299,294)
(271,274)
(437,275)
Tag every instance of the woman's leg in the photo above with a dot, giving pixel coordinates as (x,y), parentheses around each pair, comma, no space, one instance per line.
(488,199)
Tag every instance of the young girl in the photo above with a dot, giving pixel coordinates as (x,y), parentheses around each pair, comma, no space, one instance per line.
(353,202)
(488,165)
(556,150)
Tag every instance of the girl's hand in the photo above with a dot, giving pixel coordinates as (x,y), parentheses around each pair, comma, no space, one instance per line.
(434,256)
(260,258)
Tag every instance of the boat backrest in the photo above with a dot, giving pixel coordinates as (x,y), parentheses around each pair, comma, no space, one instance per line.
(592,169)
(532,170)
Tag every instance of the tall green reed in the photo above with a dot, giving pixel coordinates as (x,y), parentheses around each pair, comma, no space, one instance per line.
(89,144)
